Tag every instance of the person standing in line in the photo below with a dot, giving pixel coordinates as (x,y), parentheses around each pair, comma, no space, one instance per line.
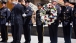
(4,14)
(26,21)
(11,18)
(53,25)
(66,14)
(39,23)
(17,21)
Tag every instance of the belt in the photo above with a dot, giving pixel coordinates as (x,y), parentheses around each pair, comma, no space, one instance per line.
(2,17)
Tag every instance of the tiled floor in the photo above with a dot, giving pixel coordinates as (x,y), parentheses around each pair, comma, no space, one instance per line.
(35,40)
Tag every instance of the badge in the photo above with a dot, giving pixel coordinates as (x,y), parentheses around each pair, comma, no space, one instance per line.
(27,10)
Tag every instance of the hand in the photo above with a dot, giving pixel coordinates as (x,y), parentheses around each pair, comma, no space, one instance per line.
(24,15)
(7,24)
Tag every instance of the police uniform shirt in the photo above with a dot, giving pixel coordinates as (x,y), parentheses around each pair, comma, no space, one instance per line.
(4,13)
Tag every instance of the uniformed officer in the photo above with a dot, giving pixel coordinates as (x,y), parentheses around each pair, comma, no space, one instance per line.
(11,19)
(4,14)
(26,20)
(74,20)
(39,24)
(58,7)
(66,13)
(17,21)
(53,27)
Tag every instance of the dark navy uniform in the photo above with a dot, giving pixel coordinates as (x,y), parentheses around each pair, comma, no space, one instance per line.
(39,25)
(53,28)
(4,14)
(11,19)
(26,23)
(17,22)
(74,20)
(66,20)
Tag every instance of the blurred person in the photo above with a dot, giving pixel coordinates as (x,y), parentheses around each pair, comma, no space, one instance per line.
(27,21)
(4,14)
(17,11)
(53,25)
(58,7)
(66,14)
(11,19)
(39,23)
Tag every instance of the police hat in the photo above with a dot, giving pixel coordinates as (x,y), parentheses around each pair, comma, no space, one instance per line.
(39,4)
(3,2)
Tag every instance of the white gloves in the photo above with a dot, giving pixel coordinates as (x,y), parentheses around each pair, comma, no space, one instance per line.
(24,15)
(8,24)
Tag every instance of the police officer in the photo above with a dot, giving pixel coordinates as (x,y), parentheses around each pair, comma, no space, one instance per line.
(26,21)
(58,7)
(18,22)
(66,13)
(4,14)
(53,27)
(39,24)
(74,20)
(11,19)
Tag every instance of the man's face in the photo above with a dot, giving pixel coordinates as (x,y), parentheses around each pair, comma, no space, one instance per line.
(3,5)
(26,4)
(39,7)
(66,4)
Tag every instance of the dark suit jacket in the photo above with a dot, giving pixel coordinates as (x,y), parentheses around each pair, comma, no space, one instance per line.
(16,13)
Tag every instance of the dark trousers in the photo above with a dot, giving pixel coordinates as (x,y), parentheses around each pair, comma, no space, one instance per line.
(66,32)
(27,34)
(53,28)
(12,31)
(16,32)
(74,27)
(40,33)
(4,34)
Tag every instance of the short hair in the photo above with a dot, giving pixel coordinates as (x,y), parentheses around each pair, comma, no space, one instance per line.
(19,0)
(40,4)
(54,1)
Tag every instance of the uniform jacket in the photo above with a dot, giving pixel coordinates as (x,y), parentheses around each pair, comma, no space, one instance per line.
(67,13)
(16,14)
(4,14)
(28,11)
(38,18)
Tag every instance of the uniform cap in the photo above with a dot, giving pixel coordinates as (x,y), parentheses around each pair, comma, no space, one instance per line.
(3,2)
